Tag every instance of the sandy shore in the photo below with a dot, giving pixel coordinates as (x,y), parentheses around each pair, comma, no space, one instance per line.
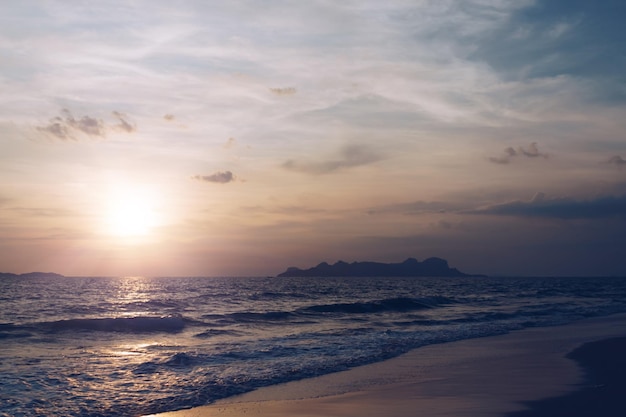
(520,374)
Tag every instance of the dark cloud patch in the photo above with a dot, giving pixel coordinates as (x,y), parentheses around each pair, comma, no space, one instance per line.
(57,128)
(560,208)
(286,91)
(531,151)
(505,158)
(617,161)
(349,157)
(124,124)
(89,125)
(86,124)
(68,127)
(219,177)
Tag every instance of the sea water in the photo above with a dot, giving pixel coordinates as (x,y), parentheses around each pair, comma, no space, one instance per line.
(130,346)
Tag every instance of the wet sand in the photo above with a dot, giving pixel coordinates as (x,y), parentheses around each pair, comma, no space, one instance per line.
(522,374)
(602,392)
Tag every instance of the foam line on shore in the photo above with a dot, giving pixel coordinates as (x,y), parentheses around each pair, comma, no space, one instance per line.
(484,377)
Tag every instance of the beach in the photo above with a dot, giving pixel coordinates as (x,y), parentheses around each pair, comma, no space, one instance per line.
(525,373)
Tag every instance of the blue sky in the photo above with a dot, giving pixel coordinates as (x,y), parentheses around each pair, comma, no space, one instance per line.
(242,137)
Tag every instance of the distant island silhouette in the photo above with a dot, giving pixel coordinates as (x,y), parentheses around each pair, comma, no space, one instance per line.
(31,275)
(431,267)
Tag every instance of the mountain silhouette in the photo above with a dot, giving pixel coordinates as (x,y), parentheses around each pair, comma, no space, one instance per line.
(431,267)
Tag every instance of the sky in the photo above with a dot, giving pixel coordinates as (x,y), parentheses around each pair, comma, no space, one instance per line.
(240,137)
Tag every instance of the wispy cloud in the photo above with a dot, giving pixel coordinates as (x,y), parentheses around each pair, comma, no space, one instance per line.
(560,208)
(531,151)
(220,177)
(555,38)
(418,207)
(68,127)
(285,91)
(349,157)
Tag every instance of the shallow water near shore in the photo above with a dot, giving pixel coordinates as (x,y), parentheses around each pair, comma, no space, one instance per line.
(125,346)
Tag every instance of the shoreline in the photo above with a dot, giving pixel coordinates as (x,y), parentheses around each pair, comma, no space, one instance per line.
(508,375)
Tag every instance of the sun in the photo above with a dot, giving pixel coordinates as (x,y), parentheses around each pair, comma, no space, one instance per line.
(131,212)
(131,218)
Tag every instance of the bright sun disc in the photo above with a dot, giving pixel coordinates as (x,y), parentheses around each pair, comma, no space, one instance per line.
(130,214)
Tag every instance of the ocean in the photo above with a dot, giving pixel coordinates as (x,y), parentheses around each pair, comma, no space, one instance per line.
(88,347)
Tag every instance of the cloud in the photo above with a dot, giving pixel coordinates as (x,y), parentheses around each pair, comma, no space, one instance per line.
(418,207)
(89,125)
(124,124)
(285,210)
(531,151)
(219,177)
(560,208)
(57,128)
(617,161)
(286,91)
(67,127)
(386,109)
(349,157)
(505,158)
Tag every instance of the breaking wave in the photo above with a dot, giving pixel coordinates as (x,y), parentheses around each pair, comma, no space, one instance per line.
(169,324)
(401,304)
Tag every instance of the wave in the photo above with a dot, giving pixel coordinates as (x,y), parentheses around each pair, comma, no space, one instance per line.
(12,331)
(401,304)
(271,295)
(178,360)
(266,316)
(169,324)
(216,332)
(247,317)
(14,335)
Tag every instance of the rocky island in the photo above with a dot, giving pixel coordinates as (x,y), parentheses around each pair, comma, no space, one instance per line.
(431,267)
(31,275)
